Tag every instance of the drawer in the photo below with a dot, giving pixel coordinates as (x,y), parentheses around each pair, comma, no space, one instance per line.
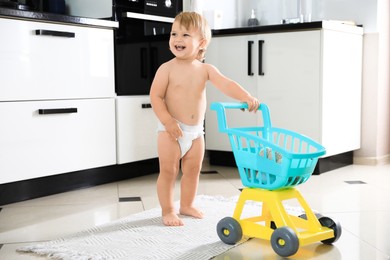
(136,129)
(40,61)
(41,138)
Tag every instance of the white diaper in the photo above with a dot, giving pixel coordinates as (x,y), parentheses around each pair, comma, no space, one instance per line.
(190,133)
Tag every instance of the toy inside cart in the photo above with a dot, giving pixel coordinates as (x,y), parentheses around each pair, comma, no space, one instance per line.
(271,162)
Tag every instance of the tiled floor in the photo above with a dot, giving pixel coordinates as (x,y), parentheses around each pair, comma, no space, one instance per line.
(357,196)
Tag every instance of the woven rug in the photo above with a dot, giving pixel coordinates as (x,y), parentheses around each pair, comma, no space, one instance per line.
(143,236)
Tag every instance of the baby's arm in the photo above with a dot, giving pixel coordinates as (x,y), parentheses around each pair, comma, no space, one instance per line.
(231,88)
(157,96)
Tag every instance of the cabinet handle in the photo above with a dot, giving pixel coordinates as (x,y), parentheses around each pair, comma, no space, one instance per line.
(153,61)
(57,111)
(144,63)
(147,17)
(250,72)
(146,105)
(261,72)
(55,33)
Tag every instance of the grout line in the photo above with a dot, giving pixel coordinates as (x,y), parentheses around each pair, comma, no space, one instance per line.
(143,205)
(129,199)
(117,191)
(355,182)
(209,172)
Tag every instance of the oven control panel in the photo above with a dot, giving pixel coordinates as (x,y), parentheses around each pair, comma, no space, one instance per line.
(167,8)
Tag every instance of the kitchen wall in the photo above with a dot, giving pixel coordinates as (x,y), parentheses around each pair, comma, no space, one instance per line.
(236,12)
(376,91)
(361,11)
(219,13)
(89,8)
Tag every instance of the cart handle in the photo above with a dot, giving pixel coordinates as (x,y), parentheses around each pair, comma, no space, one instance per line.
(220,107)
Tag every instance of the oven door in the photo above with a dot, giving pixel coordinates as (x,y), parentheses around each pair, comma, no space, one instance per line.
(141,46)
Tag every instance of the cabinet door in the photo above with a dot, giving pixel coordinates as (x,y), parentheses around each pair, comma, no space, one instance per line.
(40,61)
(132,68)
(231,55)
(311,81)
(291,83)
(136,129)
(341,91)
(137,63)
(41,138)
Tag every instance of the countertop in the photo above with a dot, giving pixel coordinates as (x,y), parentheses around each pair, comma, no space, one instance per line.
(318,25)
(56,18)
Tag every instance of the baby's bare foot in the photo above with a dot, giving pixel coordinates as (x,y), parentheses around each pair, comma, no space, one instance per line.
(191,211)
(171,219)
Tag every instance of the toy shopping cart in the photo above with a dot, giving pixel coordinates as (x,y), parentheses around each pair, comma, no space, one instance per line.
(271,162)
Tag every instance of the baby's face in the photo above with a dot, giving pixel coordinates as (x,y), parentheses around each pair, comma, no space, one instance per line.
(184,43)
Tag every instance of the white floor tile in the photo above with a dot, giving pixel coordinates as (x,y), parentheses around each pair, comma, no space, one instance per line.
(27,224)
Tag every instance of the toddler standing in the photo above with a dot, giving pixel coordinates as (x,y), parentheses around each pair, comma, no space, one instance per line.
(178,98)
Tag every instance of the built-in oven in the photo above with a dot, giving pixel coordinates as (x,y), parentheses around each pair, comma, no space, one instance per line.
(141,42)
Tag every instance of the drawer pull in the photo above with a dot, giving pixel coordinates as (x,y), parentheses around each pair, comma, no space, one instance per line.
(261,72)
(147,105)
(250,72)
(57,111)
(55,33)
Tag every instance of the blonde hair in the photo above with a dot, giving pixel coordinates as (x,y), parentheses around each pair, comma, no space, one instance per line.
(196,21)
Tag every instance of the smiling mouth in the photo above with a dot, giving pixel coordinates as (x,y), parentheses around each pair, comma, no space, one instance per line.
(179,47)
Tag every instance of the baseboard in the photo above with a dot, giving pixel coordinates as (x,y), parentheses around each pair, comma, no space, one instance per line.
(372,160)
(333,162)
(40,187)
(224,158)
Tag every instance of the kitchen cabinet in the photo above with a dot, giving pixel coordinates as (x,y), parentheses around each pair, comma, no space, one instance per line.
(41,60)
(137,63)
(41,138)
(136,129)
(310,79)
(57,99)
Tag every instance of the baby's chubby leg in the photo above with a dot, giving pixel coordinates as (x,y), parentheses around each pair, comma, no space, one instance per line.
(169,156)
(191,166)
(165,190)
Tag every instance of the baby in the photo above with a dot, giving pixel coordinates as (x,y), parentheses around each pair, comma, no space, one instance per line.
(178,97)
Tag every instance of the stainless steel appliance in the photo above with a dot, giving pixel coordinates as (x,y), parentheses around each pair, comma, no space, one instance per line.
(141,42)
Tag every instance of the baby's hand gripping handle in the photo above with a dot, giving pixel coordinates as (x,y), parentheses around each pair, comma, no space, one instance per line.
(220,108)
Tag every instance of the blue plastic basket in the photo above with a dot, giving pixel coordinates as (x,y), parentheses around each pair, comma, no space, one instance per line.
(268,157)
